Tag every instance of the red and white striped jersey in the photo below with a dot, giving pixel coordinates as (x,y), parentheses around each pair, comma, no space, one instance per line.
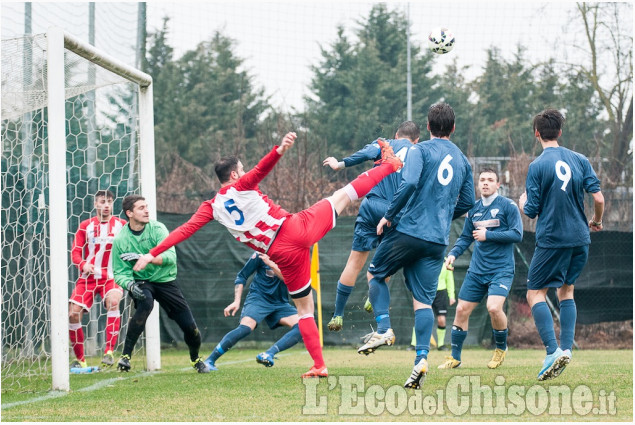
(249,215)
(93,244)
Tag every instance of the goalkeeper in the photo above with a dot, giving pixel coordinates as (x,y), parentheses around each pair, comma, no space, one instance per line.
(155,282)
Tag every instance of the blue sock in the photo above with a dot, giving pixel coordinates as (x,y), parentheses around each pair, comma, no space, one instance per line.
(287,341)
(341,297)
(544,324)
(379,297)
(568,314)
(458,338)
(228,341)
(424,322)
(500,338)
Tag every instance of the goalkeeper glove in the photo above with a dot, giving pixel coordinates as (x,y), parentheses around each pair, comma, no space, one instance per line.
(130,256)
(135,291)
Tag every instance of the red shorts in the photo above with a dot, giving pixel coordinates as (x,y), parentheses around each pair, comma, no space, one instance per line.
(291,248)
(86,289)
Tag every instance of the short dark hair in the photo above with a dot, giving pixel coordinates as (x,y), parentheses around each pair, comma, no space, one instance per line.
(409,129)
(105,193)
(129,201)
(441,119)
(549,123)
(489,170)
(225,166)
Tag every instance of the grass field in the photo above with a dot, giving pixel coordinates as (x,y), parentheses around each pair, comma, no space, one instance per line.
(599,384)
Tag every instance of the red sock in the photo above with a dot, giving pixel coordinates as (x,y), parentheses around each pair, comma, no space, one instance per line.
(113,321)
(76,334)
(367,180)
(311,337)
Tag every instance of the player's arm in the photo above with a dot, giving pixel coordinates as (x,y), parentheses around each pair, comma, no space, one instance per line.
(466,200)
(253,177)
(410,177)
(595,223)
(167,257)
(201,217)
(121,269)
(232,308)
(592,185)
(530,200)
(514,233)
(462,242)
(77,250)
(245,273)
(268,261)
(371,151)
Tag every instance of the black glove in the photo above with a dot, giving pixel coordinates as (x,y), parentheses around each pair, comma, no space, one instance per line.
(130,256)
(135,291)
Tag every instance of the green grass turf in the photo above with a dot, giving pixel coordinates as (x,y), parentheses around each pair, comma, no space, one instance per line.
(243,390)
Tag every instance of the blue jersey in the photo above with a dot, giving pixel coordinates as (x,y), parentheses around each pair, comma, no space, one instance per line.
(265,283)
(555,187)
(501,218)
(387,187)
(436,187)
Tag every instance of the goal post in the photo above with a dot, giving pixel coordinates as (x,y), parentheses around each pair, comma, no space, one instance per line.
(57,42)
(74,120)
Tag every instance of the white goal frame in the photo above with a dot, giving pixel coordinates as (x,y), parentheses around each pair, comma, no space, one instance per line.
(57,41)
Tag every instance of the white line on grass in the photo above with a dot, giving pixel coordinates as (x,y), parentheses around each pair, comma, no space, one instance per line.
(57,394)
(251,360)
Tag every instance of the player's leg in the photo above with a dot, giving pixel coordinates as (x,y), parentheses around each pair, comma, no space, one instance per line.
(547,269)
(81,300)
(458,333)
(112,298)
(440,309)
(499,286)
(171,299)
(287,340)
(136,325)
(246,326)
(495,305)
(568,310)
(76,334)
(422,278)
(363,184)
(303,301)
(345,284)
(441,326)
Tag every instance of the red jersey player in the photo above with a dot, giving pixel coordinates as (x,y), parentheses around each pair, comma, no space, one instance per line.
(91,254)
(253,219)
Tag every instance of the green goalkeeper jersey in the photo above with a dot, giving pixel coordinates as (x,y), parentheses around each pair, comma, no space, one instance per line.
(126,241)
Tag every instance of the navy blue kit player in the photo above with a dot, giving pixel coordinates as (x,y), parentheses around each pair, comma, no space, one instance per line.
(267,300)
(436,187)
(555,190)
(371,210)
(493,225)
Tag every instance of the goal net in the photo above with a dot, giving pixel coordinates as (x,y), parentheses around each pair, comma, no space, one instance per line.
(101,130)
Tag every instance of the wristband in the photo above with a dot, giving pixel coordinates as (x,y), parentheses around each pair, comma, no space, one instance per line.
(341,165)
(596,223)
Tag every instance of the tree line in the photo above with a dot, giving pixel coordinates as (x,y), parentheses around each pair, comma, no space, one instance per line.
(208,106)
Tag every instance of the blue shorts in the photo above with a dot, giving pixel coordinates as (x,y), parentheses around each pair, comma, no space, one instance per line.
(553,267)
(475,286)
(259,310)
(421,262)
(365,236)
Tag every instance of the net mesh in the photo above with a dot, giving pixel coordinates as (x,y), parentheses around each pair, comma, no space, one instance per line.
(101,153)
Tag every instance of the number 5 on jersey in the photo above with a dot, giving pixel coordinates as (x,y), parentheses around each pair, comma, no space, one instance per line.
(230,206)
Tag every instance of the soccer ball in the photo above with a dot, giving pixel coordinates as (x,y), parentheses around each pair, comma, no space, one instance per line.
(441,40)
